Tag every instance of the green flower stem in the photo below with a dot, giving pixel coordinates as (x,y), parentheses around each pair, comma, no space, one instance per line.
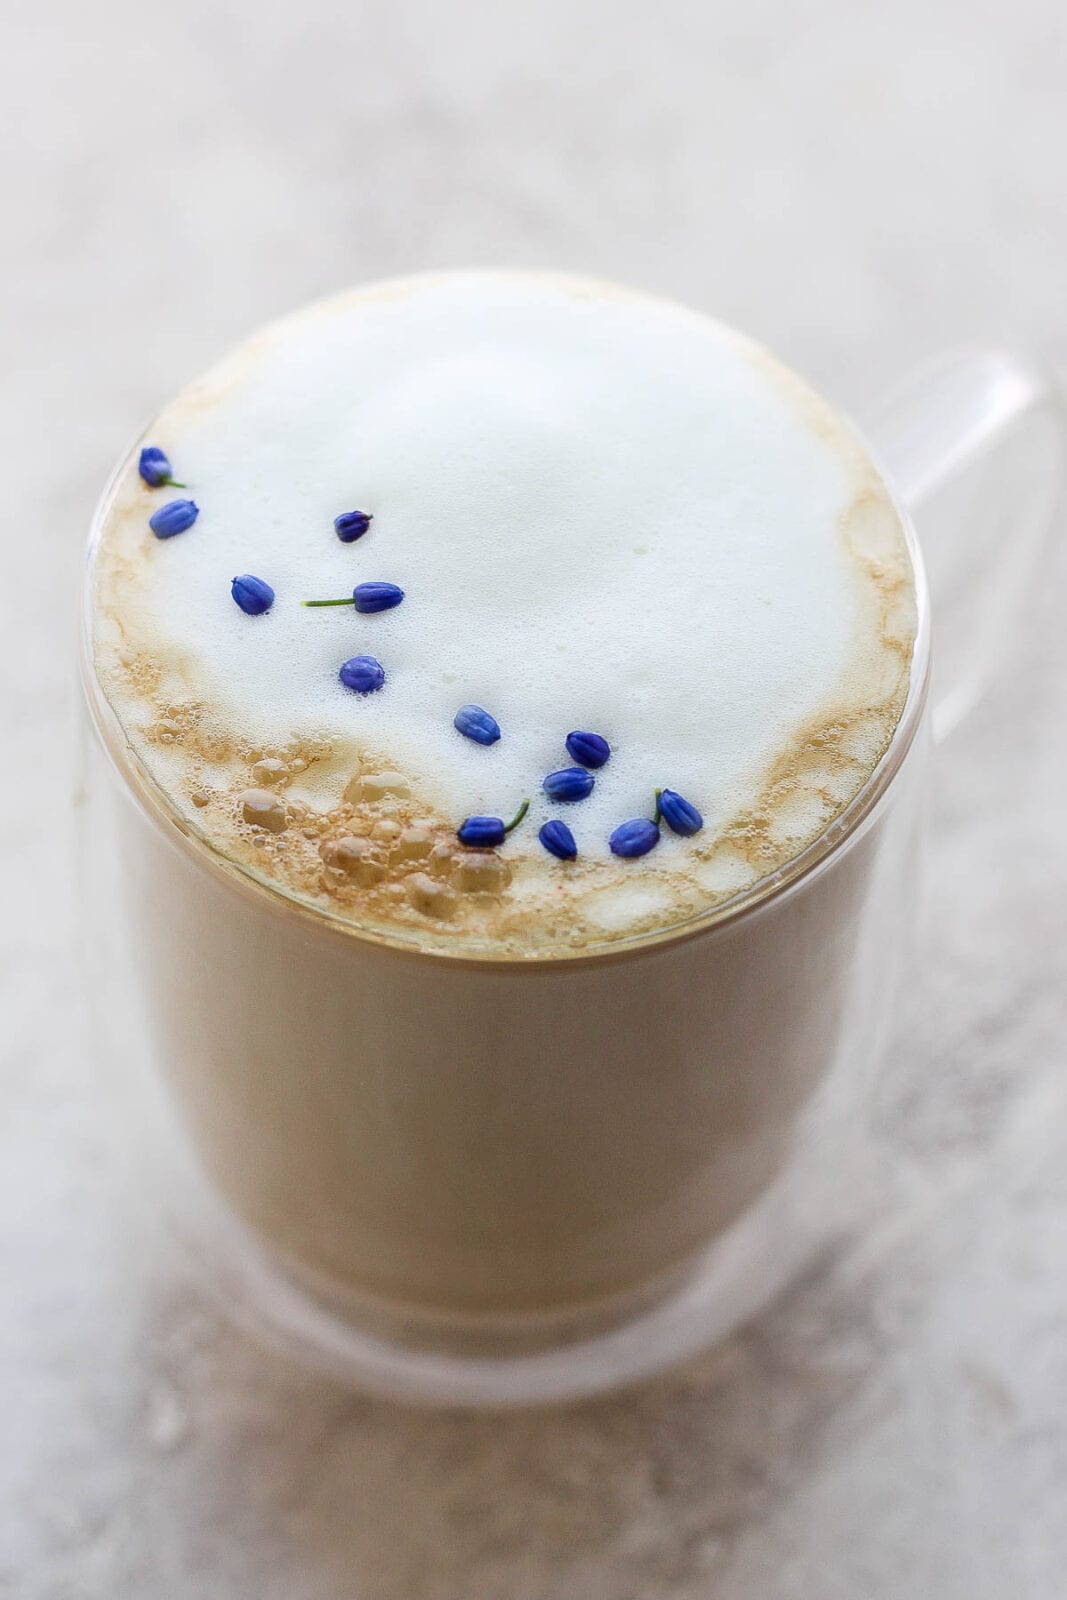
(517,818)
(349,600)
(659,810)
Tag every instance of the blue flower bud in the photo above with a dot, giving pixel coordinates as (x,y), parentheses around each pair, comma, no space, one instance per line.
(558,840)
(634,838)
(570,783)
(174,517)
(352,525)
(474,723)
(363,674)
(481,832)
(678,814)
(252,594)
(376,596)
(154,468)
(588,749)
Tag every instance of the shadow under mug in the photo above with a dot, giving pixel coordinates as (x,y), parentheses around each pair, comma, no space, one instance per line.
(492,1182)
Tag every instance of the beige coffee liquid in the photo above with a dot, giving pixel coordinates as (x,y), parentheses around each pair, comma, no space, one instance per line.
(607,513)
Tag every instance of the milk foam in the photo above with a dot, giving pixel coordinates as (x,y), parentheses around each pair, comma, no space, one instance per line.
(606,512)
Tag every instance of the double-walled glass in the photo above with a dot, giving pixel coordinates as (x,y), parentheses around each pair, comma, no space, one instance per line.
(491,1181)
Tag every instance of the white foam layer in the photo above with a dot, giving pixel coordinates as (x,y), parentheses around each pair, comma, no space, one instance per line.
(607,513)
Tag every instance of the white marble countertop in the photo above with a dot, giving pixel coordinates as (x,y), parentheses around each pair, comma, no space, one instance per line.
(857,185)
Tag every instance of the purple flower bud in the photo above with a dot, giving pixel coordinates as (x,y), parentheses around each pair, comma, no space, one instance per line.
(634,838)
(678,814)
(570,783)
(481,832)
(252,594)
(558,840)
(155,468)
(370,597)
(362,674)
(174,517)
(588,749)
(352,525)
(474,723)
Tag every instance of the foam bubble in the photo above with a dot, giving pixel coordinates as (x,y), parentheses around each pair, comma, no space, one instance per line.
(606,513)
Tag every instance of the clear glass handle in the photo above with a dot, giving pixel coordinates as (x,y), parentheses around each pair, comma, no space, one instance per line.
(975,444)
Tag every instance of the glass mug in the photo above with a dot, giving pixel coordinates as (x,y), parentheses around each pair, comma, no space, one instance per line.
(475,1181)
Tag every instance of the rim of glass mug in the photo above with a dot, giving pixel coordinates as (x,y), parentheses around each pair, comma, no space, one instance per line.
(839,835)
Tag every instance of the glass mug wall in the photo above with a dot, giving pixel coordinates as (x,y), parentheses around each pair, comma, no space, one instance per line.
(490,1181)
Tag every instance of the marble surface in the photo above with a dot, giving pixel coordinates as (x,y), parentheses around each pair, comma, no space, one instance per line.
(857,185)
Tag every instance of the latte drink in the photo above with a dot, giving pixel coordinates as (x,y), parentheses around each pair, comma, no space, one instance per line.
(587,550)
